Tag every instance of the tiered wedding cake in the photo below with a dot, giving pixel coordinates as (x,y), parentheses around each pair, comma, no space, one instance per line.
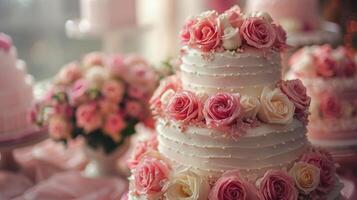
(228,127)
(15,89)
(330,76)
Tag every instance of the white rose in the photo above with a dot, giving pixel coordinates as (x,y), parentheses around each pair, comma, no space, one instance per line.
(188,185)
(306,176)
(97,75)
(250,106)
(275,107)
(231,38)
(304,65)
(263,15)
(224,20)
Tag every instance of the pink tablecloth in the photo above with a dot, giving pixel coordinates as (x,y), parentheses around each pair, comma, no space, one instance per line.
(50,172)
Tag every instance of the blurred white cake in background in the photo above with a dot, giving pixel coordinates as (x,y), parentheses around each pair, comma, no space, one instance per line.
(301,20)
(105,15)
(15,89)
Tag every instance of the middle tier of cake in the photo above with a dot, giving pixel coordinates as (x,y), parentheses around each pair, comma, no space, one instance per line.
(212,152)
(246,72)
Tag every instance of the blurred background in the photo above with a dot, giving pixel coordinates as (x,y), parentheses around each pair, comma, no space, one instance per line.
(38,29)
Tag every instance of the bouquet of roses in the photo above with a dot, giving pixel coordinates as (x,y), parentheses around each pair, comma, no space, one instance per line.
(101,98)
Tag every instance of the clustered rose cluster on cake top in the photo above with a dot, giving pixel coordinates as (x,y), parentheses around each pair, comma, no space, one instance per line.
(330,76)
(231,113)
(232,30)
(100,98)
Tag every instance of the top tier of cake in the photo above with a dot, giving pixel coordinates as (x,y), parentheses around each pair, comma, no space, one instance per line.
(246,72)
(231,52)
(293,15)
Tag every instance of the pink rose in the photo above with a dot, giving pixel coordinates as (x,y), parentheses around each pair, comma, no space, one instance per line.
(222,109)
(330,106)
(142,73)
(125,196)
(206,34)
(64,110)
(323,160)
(59,128)
(296,92)
(113,90)
(5,42)
(141,148)
(77,93)
(134,109)
(280,41)
(93,59)
(117,65)
(235,16)
(185,107)
(134,59)
(325,66)
(349,67)
(107,106)
(69,73)
(151,176)
(277,184)
(185,32)
(114,123)
(258,32)
(172,82)
(88,117)
(231,186)
(137,91)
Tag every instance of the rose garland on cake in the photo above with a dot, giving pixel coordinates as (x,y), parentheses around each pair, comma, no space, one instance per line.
(312,176)
(231,31)
(232,113)
(101,99)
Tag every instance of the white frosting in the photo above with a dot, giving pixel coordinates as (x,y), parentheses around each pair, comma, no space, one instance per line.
(211,151)
(244,72)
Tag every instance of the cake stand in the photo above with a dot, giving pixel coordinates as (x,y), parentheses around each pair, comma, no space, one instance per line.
(10,142)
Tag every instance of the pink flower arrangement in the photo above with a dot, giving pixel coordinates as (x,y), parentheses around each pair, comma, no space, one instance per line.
(204,32)
(184,106)
(231,186)
(330,106)
(277,184)
(296,92)
(322,160)
(150,176)
(93,99)
(222,109)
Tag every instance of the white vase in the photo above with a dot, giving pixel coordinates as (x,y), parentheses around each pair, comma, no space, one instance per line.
(102,164)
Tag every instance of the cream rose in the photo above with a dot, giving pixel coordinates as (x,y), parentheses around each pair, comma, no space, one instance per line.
(306,176)
(166,96)
(250,106)
(231,38)
(275,107)
(188,185)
